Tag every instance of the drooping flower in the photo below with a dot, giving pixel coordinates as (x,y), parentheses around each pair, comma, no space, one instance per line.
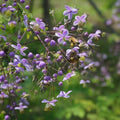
(69,75)
(63,94)
(69,12)
(21,107)
(20,48)
(80,20)
(49,102)
(62,36)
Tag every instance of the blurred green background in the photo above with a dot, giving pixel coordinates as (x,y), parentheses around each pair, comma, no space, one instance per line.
(93,101)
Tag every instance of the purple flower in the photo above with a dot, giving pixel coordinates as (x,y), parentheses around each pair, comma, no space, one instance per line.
(20,48)
(21,107)
(22,1)
(2,78)
(3,37)
(38,24)
(109,22)
(60,83)
(92,64)
(95,35)
(2,53)
(3,9)
(89,42)
(55,75)
(26,21)
(7,117)
(117,4)
(69,12)
(27,7)
(11,8)
(69,75)
(15,3)
(4,4)
(60,72)
(83,54)
(12,23)
(30,55)
(42,64)
(62,36)
(5,86)
(12,54)
(52,43)
(17,61)
(84,81)
(80,20)
(47,40)
(49,102)
(69,51)
(63,94)
(60,28)
(89,65)
(26,64)
(3,95)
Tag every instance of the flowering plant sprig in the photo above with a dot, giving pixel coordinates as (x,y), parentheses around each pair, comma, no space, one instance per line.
(56,60)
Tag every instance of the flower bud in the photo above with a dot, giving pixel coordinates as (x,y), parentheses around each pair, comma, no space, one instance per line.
(12,54)
(52,43)
(30,55)
(2,53)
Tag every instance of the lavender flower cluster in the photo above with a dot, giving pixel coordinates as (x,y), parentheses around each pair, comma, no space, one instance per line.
(67,49)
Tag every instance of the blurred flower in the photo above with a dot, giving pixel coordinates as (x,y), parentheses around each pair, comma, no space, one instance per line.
(20,48)
(38,24)
(12,23)
(7,117)
(84,81)
(8,9)
(69,12)
(69,75)
(60,28)
(109,22)
(21,107)
(63,94)
(80,20)
(90,42)
(3,37)
(2,53)
(26,21)
(70,51)
(95,35)
(49,102)
(3,95)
